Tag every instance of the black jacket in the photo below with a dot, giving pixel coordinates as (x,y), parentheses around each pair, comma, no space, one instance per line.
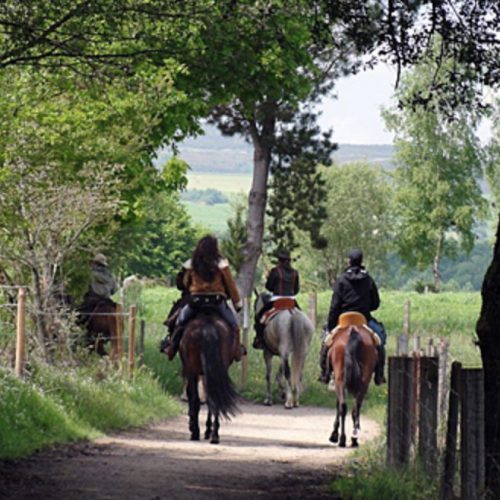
(354,290)
(283,281)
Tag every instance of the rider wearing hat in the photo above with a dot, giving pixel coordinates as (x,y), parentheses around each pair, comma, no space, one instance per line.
(355,290)
(102,286)
(282,281)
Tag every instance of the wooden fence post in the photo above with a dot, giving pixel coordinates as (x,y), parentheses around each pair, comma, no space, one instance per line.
(313,308)
(406,318)
(246,328)
(131,340)
(119,332)
(141,342)
(451,433)
(443,379)
(20,332)
(402,345)
(428,407)
(472,434)
(399,411)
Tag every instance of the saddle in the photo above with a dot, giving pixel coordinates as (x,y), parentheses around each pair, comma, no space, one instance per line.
(281,304)
(351,319)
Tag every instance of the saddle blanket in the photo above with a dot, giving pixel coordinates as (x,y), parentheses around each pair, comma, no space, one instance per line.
(279,305)
(329,339)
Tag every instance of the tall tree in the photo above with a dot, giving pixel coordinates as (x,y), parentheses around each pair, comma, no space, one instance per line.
(439,164)
(358,215)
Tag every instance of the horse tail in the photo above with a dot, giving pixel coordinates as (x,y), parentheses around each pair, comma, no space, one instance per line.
(222,397)
(301,334)
(352,367)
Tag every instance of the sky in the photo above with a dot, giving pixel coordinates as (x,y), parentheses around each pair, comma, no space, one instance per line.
(355,114)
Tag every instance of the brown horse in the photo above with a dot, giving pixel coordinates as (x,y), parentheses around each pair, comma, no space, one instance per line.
(353,356)
(206,350)
(101,327)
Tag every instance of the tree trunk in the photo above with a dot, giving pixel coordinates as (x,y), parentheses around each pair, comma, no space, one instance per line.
(256,211)
(435,265)
(41,327)
(488,332)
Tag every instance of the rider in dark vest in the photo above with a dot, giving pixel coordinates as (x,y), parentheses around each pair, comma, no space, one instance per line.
(282,281)
(208,279)
(102,286)
(356,291)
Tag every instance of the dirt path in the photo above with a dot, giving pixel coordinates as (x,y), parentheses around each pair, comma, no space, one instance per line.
(264,453)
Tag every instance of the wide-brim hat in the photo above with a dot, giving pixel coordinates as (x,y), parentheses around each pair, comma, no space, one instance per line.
(284,255)
(100,258)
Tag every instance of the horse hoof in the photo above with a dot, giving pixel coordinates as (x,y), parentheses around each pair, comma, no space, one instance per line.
(354,442)
(268,402)
(342,442)
(195,437)
(214,440)
(288,406)
(207,434)
(334,437)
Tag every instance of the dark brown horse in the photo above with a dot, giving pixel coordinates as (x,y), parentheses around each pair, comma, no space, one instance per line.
(101,328)
(353,356)
(206,350)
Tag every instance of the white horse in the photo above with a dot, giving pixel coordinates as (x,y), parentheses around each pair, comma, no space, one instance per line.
(288,333)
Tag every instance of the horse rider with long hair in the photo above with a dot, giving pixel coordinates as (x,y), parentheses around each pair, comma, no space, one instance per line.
(282,281)
(355,290)
(102,286)
(210,283)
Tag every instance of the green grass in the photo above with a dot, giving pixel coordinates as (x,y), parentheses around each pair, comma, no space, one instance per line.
(449,315)
(227,183)
(56,405)
(368,478)
(211,217)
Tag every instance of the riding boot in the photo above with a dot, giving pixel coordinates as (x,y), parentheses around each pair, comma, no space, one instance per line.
(239,349)
(379,368)
(170,345)
(258,341)
(324,365)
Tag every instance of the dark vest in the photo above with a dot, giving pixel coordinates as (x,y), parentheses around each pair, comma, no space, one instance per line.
(283,281)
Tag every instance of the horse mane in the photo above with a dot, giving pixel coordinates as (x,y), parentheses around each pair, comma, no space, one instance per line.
(352,369)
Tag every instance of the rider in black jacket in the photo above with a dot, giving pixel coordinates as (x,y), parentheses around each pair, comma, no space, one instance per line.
(356,291)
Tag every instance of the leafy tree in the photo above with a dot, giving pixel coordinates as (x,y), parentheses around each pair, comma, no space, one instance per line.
(159,239)
(493,164)
(359,215)
(233,242)
(439,165)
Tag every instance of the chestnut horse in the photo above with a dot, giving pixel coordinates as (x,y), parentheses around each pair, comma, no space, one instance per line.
(206,351)
(353,356)
(101,327)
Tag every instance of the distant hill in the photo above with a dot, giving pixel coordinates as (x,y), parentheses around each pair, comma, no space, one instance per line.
(213,152)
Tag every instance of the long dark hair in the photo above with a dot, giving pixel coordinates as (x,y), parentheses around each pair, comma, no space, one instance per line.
(206,258)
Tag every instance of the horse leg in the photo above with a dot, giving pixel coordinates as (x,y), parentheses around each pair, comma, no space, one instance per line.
(215,432)
(355,416)
(208,429)
(288,389)
(343,413)
(194,407)
(334,436)
(268,358)
(296,377)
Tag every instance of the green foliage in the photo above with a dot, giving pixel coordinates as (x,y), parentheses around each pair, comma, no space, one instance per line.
(439,163)
(157,241)
(51,408)
(359,215)
(207,196)
(368,478)
(233,242)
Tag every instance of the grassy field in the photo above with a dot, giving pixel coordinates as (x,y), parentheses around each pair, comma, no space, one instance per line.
(450,315)
(227,183)
(211,217)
